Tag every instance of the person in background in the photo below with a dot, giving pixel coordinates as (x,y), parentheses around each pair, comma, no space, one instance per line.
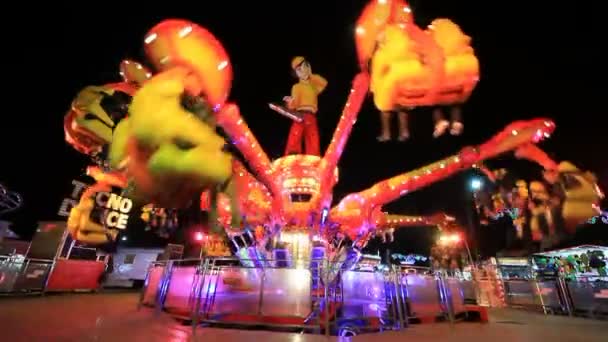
(584,260)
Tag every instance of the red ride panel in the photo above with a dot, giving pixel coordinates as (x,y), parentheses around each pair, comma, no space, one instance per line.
(75,275)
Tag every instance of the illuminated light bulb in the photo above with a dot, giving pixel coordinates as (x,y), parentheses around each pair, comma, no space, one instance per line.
(408,10)
(442,166)
(148,75)
(185,31)
(546,135)
(360,30)
(222,65)
(514,132)
(149,39)
(457,159)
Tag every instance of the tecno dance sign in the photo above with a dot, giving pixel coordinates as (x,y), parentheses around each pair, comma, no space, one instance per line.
(115,208)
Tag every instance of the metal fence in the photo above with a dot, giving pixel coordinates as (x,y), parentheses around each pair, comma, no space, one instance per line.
(222,291)
(19,274)
(582,296)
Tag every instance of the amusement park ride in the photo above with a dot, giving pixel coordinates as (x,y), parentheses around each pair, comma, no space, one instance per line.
(164,148)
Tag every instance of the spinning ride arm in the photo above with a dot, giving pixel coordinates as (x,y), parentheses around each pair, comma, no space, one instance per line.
(386,223)
(396,221)
(229,118)
(182,44)
(347,120)
(533,153)
(513,136)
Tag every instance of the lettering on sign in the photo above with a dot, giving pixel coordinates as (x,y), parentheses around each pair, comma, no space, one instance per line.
(116,208)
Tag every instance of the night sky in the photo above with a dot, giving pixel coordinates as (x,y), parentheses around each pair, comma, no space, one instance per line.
(536,60)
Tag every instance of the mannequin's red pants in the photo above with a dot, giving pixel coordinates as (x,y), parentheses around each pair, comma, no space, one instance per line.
(308,128)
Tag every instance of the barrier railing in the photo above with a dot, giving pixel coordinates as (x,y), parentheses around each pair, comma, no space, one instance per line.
(19,274)
(37,276)
(222,291)
(581,296)
(588,297)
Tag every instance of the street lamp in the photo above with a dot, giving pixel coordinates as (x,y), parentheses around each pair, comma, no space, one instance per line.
(476,184)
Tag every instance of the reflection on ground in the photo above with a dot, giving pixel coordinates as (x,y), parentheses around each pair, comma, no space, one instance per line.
(114,317)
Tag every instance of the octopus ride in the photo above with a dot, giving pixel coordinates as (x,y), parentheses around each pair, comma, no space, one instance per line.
(155,135)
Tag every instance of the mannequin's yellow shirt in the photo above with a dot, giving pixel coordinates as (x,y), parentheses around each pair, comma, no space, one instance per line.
(304,93)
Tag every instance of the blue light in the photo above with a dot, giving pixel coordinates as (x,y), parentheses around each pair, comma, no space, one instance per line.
(476,184)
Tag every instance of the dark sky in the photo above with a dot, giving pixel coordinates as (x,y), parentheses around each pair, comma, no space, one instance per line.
(537,59)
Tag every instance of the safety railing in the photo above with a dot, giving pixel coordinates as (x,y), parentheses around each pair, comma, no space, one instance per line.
(588,296)
(222,291)
(37,276)
(24,275)
(582,296)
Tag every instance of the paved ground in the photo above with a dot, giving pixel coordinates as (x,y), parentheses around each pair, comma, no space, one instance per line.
(113,317)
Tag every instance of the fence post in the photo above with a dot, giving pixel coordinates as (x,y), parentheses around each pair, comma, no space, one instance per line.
(144,288)
(562,286)
(163,287)
(399,298)
(445,297)
(203,266)
(261,297)
(540,295)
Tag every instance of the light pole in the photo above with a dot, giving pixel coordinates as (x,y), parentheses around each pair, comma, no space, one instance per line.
(475,185)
